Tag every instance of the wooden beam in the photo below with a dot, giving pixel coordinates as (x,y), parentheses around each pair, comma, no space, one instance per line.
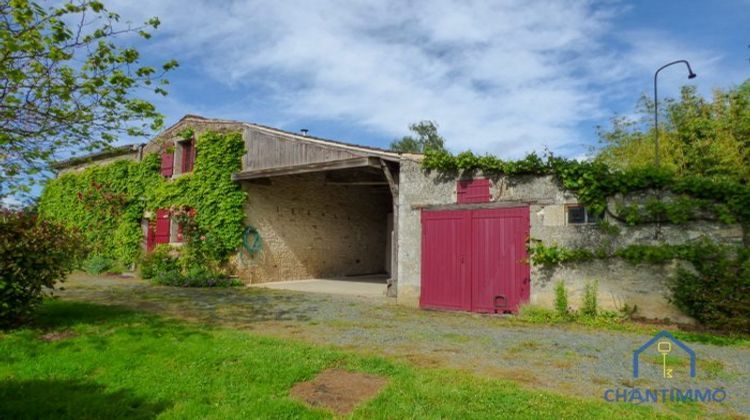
(392,290)
(476,206)
(389,176)
(356,183)
(360,162)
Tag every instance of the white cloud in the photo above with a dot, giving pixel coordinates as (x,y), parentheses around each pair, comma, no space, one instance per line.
(499,76)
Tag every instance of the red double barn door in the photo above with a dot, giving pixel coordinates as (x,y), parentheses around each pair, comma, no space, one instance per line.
(475,260)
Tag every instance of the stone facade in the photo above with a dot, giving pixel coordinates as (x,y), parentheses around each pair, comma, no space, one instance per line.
(310,229)
(620,283)
(130,155)
(313,228)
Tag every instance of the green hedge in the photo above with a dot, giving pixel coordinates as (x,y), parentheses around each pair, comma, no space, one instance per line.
(34,255)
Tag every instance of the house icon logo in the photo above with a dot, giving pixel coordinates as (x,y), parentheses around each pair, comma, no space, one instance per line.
(664,343)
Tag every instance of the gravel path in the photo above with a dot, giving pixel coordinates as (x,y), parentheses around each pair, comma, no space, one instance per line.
(566,359)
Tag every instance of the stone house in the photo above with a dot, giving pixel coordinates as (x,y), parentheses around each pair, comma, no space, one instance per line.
(327,209)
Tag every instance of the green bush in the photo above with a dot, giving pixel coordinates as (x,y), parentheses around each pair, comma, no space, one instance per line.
(194,277)
(97,264)
(159,261)
(537,314)
(34,255)
(561,299)
(717,293)
(589,304)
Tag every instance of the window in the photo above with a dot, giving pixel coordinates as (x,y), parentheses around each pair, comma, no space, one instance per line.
(473,191)
(579,215)
(163,226)
(179,223)
(188,155)
(167,162)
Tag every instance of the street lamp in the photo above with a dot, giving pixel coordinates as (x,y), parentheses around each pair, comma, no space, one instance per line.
(691,75)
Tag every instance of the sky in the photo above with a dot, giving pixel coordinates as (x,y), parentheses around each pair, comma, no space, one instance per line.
(503,77)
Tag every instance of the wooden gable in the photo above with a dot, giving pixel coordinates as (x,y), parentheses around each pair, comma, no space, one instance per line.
(266,150)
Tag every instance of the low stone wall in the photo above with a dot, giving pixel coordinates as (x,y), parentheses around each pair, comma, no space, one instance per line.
(620,282)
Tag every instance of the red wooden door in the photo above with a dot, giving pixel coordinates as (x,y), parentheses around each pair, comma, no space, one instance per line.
(445,277)
(475,259)
(162,226)
(500,270)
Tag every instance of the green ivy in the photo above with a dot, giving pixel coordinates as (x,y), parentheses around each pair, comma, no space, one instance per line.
(107,202)
(593,182)
(716,292)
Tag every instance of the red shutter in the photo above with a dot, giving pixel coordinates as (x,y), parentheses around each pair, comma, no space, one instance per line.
(167,164)
(162,226)
(188,156)
(473,191)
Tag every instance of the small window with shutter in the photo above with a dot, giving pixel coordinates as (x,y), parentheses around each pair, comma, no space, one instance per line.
(163,226)
(167,161)
(473,191)
(188,155)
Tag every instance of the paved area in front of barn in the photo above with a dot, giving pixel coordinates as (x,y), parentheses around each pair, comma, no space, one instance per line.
(366,286)
(565,359)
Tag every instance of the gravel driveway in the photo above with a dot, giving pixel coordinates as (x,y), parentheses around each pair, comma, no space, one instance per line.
(566,359)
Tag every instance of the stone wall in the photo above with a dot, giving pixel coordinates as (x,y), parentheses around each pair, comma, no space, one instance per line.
(99,162)
(310,229)
(619,282)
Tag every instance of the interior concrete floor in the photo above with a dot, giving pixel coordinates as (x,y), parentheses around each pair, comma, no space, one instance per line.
(363,286)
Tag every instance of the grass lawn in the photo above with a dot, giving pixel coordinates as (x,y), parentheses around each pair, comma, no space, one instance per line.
(118,363)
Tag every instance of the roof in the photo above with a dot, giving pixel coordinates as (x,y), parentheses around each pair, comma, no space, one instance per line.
(109,152)
(122,150)
(297,136)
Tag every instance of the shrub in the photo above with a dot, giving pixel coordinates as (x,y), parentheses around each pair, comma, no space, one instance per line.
(196,276)
(168,278)
(561,299)
(589,304)
(34,255)
(97,264)
(158,261)
(537,314)
(717,293)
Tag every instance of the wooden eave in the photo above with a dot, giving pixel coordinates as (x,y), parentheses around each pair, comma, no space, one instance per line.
(359,162)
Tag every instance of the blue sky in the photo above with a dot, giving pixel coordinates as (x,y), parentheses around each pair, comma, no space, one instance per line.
(505,77)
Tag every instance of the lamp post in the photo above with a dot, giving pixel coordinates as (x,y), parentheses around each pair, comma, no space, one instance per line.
(691,75)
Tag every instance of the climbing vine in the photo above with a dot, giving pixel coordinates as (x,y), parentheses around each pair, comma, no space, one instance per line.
(716,291)
(692,197)
(107,202)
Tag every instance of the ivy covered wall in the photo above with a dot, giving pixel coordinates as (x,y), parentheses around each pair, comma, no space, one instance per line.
(106,203)
(676,240)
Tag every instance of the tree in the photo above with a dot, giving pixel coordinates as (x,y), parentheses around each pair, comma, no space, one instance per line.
(698,136)
(66,86)
(427,138)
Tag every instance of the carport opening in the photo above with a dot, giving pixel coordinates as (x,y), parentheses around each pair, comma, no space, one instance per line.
(333,225)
